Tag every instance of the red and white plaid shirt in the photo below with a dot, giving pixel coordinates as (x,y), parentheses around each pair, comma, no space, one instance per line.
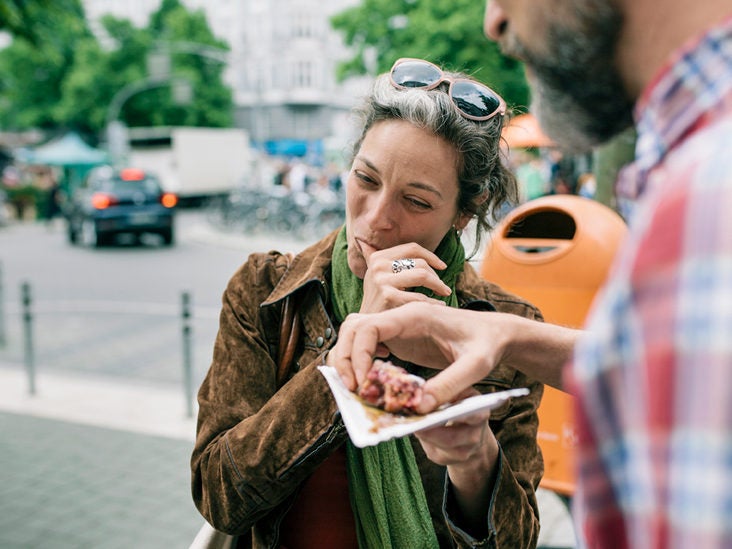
(653,376)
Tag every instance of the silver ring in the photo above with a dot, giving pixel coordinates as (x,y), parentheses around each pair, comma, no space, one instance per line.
(399,265)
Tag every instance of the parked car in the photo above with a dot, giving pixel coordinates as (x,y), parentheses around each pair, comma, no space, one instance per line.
(111,202)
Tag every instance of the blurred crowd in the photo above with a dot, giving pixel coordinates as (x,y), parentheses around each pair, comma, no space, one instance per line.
(542,172)
(32,193)
(298,176)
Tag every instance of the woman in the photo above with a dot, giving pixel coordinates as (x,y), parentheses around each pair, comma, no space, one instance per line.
(273,463)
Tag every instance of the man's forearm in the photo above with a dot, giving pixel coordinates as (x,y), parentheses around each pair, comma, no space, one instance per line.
(539,350)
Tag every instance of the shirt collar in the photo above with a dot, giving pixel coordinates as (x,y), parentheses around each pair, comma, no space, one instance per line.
(693,82)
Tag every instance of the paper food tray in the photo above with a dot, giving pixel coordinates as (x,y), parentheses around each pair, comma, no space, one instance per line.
(367,426)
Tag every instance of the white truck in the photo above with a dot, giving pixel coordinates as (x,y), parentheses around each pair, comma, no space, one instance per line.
(194,163)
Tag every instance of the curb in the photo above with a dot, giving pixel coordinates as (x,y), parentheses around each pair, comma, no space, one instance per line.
(116,404)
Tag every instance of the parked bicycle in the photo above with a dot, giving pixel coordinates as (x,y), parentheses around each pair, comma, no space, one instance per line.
(303,215)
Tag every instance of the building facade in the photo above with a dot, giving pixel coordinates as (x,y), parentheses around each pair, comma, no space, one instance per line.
(281,67)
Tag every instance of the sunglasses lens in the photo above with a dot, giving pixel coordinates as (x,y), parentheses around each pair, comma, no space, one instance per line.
(474,99)
(415,74)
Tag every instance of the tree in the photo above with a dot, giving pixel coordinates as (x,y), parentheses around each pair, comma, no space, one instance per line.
(446,32)
(212,103)
(27,18)
(34,71)
(67,80)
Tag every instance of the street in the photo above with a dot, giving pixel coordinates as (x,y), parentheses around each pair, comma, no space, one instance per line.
(98,457)
(117,310)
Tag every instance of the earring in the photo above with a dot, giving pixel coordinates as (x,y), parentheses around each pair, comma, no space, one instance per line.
(458,232)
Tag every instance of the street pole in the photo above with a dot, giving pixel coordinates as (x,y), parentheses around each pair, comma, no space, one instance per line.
(160,74)
(116,130)
(28,355)
(187,352)
(117,141)
(3,338)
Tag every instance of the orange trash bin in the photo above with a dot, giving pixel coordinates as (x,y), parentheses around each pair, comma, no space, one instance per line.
(555,251)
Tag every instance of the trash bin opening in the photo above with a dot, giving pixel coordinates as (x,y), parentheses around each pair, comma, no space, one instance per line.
(545,224)
(535,249)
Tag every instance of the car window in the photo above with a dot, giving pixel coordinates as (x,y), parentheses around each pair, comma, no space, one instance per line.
(116,185)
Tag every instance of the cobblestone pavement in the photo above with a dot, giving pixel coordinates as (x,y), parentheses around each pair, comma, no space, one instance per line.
(70,485)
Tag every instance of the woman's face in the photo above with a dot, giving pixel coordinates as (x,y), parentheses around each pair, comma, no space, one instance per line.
(402,187)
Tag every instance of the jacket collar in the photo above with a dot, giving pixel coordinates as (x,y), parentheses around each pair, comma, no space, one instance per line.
(307,268)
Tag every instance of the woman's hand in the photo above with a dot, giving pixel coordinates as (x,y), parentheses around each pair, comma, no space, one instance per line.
(469,450)
(462,444)
(384,289)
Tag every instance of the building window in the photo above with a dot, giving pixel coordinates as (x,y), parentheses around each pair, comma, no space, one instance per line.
(302,76)
(302,25)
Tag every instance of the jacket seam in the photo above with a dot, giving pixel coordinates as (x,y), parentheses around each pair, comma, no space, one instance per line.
(230,455)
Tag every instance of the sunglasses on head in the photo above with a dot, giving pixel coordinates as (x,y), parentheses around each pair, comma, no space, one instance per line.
(472,99)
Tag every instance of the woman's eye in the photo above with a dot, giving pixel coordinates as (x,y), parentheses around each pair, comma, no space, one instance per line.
(365,178)
(419,204)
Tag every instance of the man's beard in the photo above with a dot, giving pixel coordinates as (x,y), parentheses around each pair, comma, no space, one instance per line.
(577,92)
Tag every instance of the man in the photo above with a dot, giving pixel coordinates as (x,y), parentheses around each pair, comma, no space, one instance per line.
(652,373)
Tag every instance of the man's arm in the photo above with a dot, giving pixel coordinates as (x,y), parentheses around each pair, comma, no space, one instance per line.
(472,343)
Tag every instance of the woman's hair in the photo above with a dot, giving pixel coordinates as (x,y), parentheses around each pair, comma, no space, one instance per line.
(486,184)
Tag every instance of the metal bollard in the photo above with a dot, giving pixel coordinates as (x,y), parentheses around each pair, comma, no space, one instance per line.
(28,356)
(187,354)
(3,338)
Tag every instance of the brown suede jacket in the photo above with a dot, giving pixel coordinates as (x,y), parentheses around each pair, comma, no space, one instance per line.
(256,444)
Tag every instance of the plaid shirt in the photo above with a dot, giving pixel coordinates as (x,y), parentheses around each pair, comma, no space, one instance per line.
(653,375)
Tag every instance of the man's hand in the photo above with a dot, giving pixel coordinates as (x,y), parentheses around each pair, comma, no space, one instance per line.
(429,335)
(472,343)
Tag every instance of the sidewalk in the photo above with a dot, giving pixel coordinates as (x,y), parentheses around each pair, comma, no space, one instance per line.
(92,464)
(69,485)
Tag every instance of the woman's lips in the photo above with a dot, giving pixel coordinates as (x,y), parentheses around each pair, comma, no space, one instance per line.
(366,248)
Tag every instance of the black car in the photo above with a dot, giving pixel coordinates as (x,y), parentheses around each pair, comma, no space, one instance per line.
(119,201)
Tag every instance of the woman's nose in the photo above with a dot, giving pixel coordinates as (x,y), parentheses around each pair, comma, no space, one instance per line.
(495,21)
(380,212)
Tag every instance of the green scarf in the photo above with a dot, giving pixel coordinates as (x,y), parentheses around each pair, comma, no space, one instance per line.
(387,496)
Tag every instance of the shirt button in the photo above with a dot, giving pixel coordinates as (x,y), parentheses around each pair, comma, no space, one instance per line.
(319,342)
(328,333)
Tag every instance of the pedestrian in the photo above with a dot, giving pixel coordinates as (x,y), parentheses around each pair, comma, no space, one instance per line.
(652,372)
(586,185)
(272,462)
(53,202)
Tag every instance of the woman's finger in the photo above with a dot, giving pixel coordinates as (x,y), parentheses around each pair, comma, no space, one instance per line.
(410,250)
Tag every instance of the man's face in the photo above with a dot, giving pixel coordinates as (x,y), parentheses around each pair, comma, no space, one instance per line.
(568,47)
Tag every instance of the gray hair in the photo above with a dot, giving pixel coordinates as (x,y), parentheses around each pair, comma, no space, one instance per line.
(485,182)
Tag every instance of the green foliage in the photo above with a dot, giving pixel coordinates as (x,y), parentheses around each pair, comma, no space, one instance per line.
(67,79)
(446,32)
(28,19)
(212,101)
(34,71)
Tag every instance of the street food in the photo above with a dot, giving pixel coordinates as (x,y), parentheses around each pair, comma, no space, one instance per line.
(391,388)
